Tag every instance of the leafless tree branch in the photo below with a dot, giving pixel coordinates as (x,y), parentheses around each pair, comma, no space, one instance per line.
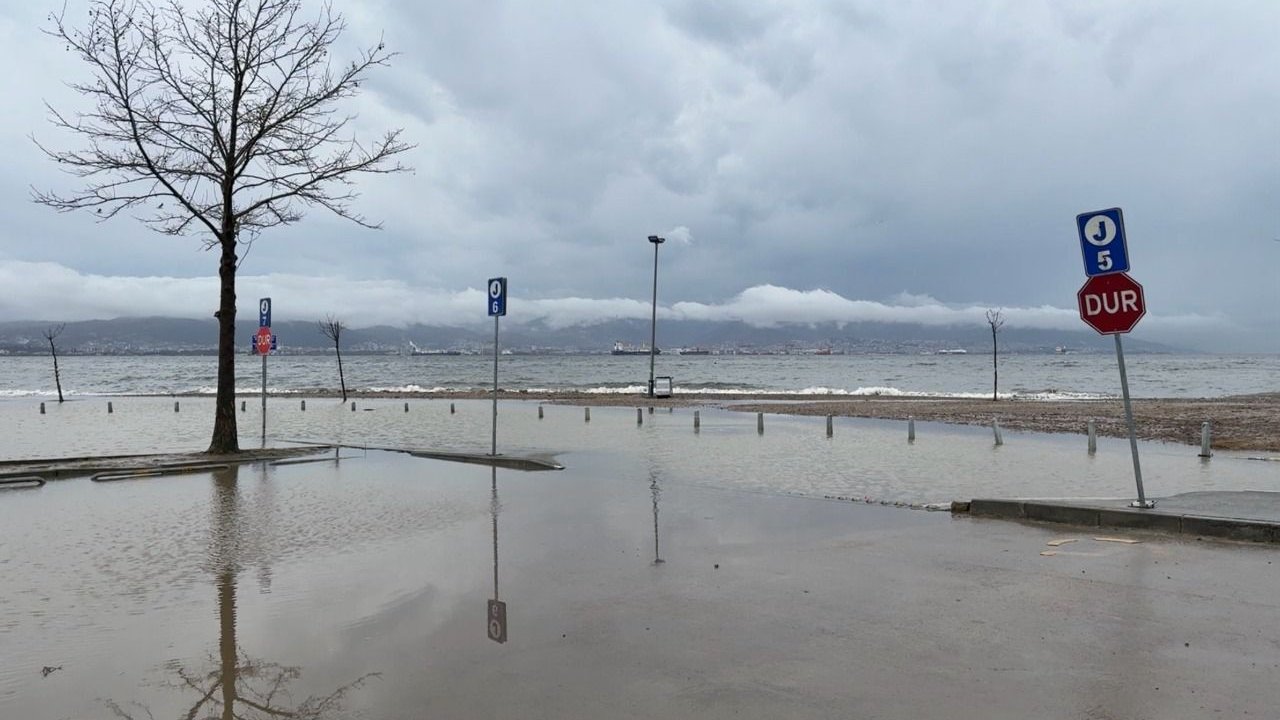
(219,118)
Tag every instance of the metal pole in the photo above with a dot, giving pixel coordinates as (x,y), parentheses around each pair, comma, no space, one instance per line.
(264,399)
(1133,433)
(494,451)
(653,321)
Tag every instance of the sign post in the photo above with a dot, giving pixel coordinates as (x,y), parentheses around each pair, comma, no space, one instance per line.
(497,305)
(263,340)
(1112,303)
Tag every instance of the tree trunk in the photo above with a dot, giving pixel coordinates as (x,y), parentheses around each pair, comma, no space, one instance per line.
(57,379)
(341,380)
(226,438)
(995,366)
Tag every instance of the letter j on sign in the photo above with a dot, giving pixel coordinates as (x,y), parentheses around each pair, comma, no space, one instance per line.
(497,296)
(1102,241)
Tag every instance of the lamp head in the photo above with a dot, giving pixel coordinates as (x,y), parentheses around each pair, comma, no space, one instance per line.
(656,240)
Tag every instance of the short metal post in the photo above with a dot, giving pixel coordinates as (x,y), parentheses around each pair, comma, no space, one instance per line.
(697,420)
(586,414)
(995,429)
(304,406)
(353,406)
(759,423)
(650,409)
(911,429)
(41,408)
(639,416)
(242,404)
(830,426)
(539,412)
(452,409)
(1206,440)
(109,410)
(1093,438)
(175,406)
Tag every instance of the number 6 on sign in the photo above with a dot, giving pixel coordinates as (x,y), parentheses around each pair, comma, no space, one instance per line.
(497,296)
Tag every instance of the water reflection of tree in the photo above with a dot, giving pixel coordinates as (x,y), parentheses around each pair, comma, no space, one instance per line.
(236,686)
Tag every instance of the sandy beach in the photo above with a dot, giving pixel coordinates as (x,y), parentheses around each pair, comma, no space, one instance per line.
(1242,422)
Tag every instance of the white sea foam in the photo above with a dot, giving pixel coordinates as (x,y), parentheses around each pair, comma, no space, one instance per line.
(411,389)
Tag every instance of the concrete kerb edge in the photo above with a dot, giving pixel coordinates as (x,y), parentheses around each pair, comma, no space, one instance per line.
(1084,516)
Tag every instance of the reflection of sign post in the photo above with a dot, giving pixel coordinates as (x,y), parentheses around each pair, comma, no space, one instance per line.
(497,621)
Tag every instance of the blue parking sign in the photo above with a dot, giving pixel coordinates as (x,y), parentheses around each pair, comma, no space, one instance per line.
(1102,242)
(497,296)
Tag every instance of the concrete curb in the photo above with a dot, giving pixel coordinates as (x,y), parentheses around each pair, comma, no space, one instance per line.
(1107,517)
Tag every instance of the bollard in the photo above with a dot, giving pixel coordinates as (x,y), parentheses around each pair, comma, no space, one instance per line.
(697,420)
(304,406)
(830,426)
(175,406)
(241,406)
(650,409)
(639,416)
(539,412)
(671,410)
(353,406)
(1093,438)
(995,429)
(452,410)
(911,429)
(1206,438)
(109,410)
(586,414)
(41,408)
(406,407)
(759,423)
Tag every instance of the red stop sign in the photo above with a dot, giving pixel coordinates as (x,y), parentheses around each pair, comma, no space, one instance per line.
(263,340)
(1112,303)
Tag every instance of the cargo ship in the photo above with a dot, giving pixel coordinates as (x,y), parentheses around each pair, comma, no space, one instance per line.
(621,348)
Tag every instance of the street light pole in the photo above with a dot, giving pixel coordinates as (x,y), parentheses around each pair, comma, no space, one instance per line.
(653,322)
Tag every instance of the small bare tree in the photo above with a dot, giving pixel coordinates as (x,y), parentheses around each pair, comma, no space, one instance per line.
(995,318)
(332,328)
(217,118)
(51,333)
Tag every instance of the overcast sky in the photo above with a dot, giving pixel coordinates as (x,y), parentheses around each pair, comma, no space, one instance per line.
(808,161)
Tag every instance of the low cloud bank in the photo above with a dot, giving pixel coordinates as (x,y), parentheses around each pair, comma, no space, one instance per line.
(50,291)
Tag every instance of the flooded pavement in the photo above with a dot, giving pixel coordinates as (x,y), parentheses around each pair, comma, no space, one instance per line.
(630,588)
(864,459)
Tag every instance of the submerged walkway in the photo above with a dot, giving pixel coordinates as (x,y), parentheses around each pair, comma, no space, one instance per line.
(1237,515)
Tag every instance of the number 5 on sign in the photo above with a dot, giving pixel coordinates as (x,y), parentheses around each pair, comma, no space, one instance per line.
(1102,242)
(497,296)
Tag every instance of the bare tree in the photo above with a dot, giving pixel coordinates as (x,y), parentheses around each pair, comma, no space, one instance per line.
(332,329)
(51,333)
(995,318)
(215,118)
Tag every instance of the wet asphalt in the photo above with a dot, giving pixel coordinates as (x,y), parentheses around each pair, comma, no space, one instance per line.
(628,594)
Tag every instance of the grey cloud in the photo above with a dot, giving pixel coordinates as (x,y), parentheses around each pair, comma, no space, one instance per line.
(870,148)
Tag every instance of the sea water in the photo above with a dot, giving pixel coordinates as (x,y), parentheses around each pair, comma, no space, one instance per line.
(1027,376)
